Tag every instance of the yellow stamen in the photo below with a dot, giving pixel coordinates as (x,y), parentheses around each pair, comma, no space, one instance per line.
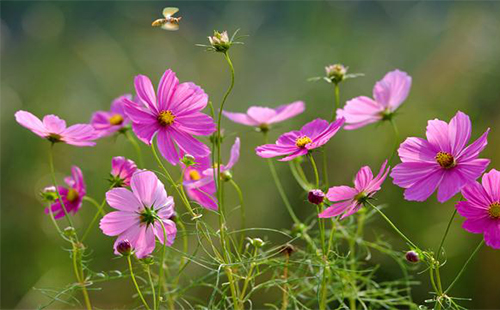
(166,118)
(494,210)
(445,160)
(72,195)
(194,175)
(116,119)
(303,141)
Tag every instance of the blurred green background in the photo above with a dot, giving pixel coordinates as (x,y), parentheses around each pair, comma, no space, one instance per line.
(71,58)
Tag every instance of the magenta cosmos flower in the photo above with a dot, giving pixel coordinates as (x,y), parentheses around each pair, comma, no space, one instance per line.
(263,117)
(348,200)
(482,208)
(139,214)
(122,170)
(199,181)
(388,95)
(297,143)
(442,161)
(54,129)
(174,116)
(107,123)
(71,196)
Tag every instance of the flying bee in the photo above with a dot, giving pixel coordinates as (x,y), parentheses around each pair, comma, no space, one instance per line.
(169,22)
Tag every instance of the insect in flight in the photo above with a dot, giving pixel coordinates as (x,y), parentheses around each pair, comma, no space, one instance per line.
(169,22)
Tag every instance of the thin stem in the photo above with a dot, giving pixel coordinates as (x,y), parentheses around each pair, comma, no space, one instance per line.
(464,267)
(303,183)
(325,167)
(396,139)
(445,235)
(151,283)
(136,146)
(249,275)
(242,209)
(162,258)
(95,203)
(135,282)
(96,217)
(336,102)
(284,304)
(315,168)
(392,225)
(78,268)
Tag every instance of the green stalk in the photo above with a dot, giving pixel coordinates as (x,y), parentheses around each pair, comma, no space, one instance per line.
(336,102)
(242,209)
(464,267)
(135,282)
(396,139)
(162,259)
(136,147)
(96,216)
(151,283)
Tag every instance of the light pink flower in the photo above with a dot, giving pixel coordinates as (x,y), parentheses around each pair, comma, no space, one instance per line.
(263,117)
(482,208)
(122,170)
(203,194)
(174,116)
(139,214)
(54,129)
(388,94)
(298,143)
(442,161)
(348,200)
(71,195)
(107,123)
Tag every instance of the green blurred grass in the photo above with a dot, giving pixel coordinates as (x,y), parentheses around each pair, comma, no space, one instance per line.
(72,58)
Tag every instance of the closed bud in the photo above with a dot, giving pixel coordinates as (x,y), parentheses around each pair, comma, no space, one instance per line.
(412,257)
(70,232)
(49,194)
(220,41)
(256,242)
(124,247)
(226,176)
(336,73)
(188,160)
(316,196)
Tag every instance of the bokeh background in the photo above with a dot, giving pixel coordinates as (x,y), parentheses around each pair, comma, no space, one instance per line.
(71,58)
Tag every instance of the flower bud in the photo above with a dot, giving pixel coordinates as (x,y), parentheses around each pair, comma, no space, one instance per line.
(316,196)
(287,249)
(49,194)
(226,176)
(299,229)
(336,73)
(124,247)
(188,160)
(69,232)
(220,41)
(256,242)
(412,257)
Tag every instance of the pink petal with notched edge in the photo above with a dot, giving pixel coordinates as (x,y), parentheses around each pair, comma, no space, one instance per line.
(472,151)
(417,150)
(363,178)
(359,112)
(80,135)
(336,209)
(437,135)
(235,154)
(474,193)
(393,89)
(54,124)
(326,135)
(469,209)
(459,131)
(170,231)
(289,139)
(167,147)
(299,152)
(117,222)
(421,190)
(450,185)
(273,150)
(408,173)
(262,115)
(187,98)
(33,123)
(341,193)
(287,111)
(166,89)
(314,128)
(491,184)
(144,185)
(146,92)
(124,200)
(196,124)
(240,118)
(188,144)
(492,235)
(476,225)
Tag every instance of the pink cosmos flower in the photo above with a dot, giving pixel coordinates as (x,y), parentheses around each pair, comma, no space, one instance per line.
(122,170)
(349,200)
(203,194)
(263,117)
(54,129)
(200,182)
(139,214)
(442,161)
(174,116)
(388,94)
(297,143)
(482,208)
(71,196)
(107,123)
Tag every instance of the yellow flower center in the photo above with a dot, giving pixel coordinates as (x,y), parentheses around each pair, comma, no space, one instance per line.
(166,118)
(194,175)
(72,195)
(303,141)
(116,119)
(445,160)
(494,210)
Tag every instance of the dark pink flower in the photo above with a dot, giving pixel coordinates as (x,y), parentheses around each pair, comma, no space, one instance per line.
(54,129)
(71,195)
(122,170)
(442,161)
(139,214)
(297,143)
(348,200)
(388,94)
(263,117)
(107,123)
(174,116)
(482,208)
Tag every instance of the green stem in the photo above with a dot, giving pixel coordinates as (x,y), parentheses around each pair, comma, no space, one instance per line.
(162,259)
(315,168)
(464,267)
(249,275)
(135,282)
(440,249)
(96,216)
(136,146)
(325,167)
(151,283)
(80,276)
(336,102)
(396,139)
(242,209)
(300,180)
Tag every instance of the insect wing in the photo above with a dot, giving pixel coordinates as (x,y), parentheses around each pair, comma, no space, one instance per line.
(167,12)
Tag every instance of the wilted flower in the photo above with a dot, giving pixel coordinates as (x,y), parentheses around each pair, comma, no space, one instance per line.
(54,129)
(298,143)
(139,214)
(263,117)
(124,247)
(316,196)
(388,94)
(107,123)
(71,196)
(482,208)
(175,116)
(442,161)
(122,170)
(348,200)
